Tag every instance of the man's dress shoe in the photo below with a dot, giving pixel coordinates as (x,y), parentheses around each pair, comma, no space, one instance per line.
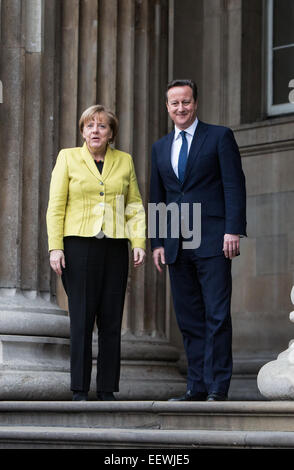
(105,396)
(80,396)
(215,396)
(191,396)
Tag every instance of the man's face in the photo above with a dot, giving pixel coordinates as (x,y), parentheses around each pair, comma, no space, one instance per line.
(181,106)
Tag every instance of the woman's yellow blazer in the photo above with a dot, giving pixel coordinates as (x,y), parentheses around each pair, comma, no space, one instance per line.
(83,202)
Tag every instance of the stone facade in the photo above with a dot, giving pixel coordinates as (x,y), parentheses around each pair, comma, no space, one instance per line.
(58,57)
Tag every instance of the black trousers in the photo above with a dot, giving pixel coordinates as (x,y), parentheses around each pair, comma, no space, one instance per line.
(95,279)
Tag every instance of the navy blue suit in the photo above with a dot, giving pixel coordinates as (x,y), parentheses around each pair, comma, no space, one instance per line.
(201,277)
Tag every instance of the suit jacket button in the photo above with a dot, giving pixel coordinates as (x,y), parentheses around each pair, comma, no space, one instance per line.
(101,194)
(101,182)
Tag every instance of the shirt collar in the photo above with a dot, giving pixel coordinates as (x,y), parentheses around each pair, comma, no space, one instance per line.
(190,130)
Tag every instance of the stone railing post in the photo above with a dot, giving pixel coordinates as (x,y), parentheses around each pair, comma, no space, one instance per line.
(275,379)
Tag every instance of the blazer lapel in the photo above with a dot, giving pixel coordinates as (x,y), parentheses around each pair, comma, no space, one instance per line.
(89,160)
(108,162)
(197,142)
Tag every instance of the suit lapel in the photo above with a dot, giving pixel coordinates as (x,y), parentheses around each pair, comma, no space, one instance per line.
(167,156)
(197,142)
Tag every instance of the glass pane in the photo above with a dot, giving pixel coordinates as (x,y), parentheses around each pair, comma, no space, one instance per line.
(283,22)
(283,72)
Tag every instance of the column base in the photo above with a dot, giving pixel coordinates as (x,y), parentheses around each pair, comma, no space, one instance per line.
(34,385)
(34,348)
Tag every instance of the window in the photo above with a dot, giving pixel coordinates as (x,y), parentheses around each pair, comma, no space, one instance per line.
(280,56)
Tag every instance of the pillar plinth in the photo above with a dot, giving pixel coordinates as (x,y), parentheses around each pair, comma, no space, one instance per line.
(34,347)
(149,369)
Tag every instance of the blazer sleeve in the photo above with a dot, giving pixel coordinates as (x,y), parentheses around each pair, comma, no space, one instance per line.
(135,212)
(233,183)
(58,195)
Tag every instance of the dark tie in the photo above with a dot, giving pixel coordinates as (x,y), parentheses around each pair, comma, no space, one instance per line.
(183,157)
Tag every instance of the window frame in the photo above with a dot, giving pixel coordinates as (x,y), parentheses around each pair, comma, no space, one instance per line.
(273,109)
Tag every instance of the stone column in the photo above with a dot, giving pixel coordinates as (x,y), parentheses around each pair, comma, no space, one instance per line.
(34,331)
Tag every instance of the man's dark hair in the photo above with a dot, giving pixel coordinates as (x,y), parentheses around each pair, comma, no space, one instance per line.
(183,82)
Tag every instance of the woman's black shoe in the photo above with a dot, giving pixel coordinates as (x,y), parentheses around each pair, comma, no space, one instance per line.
(106,396)
(80,396)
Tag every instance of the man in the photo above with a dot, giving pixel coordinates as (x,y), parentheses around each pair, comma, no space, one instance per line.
(201,165)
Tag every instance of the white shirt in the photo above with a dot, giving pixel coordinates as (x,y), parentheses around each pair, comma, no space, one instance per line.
(177,143)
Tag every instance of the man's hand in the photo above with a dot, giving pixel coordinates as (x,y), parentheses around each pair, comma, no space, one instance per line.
(158,258)
(231,246)
(139,256)
(57,261)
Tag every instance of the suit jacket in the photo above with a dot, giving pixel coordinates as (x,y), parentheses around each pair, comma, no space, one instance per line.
(83,202)
(214,178)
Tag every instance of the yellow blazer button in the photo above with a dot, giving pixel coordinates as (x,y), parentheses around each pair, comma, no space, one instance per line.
(101,194)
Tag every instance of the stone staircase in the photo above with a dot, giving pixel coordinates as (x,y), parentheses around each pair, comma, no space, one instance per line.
(146,425)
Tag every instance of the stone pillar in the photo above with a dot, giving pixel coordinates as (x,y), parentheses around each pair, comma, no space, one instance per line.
(220,90)
(34,331)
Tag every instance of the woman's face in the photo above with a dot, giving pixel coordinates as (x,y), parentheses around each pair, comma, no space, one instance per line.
(97,133)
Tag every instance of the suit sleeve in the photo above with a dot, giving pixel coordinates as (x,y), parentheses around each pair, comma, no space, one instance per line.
(57,203)
(157,196)
(233,183)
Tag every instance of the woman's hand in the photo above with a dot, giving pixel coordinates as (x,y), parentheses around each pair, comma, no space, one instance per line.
(57,261)
(139,256)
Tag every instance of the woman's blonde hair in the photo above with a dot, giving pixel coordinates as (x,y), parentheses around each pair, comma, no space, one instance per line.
(90,112)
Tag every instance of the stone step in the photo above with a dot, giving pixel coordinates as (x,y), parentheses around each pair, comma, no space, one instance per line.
(151,415)
(42,437)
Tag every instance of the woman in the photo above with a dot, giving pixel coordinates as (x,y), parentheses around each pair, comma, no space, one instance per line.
(94,208)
